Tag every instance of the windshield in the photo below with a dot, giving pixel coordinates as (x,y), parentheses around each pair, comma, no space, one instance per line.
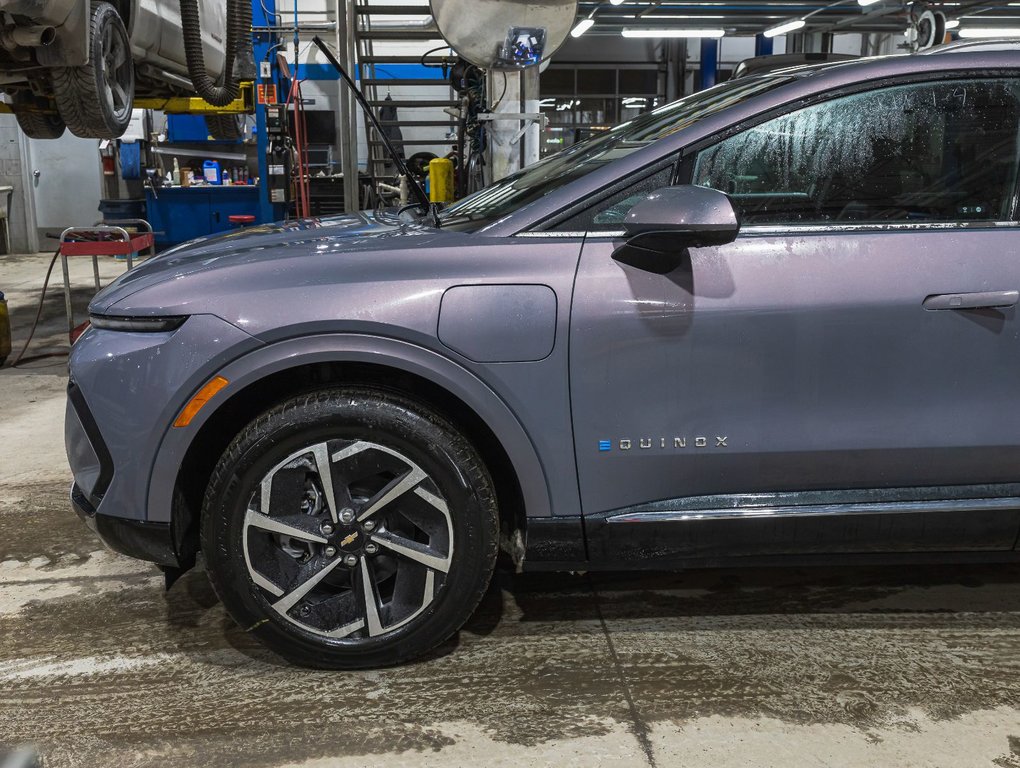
(541,178)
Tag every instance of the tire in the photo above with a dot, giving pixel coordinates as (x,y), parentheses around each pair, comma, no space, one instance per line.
(405,482)
(95,100)
(37,124)
(225,127)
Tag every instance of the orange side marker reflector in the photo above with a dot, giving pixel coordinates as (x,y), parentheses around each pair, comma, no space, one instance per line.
(203,396)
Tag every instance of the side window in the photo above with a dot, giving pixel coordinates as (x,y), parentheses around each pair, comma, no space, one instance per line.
(608,214)
(930,152)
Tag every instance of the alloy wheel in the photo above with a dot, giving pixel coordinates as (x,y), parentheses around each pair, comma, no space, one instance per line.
(348,539)
(118,76)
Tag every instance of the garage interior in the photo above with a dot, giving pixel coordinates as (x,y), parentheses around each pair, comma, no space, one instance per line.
(101,664)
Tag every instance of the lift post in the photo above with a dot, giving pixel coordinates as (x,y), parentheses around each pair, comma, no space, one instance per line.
(264,17)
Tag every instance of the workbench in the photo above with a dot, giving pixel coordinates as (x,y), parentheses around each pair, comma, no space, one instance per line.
(178,214)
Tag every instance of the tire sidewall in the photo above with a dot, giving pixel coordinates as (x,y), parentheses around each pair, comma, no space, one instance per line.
(420,436)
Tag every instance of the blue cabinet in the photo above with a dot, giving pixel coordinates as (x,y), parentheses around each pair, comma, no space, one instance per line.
(178,214)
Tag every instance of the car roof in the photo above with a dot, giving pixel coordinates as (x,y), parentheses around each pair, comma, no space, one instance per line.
(974,46)
(763,64)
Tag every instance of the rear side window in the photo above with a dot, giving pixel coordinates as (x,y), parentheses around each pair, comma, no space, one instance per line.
(925,152)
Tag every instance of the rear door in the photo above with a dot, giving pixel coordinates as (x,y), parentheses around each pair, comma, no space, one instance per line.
(842,378)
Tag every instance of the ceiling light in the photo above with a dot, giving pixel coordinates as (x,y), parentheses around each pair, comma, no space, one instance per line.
(971,32)
(673,32)
(582,26)
(865,3)
(616,2)
(782,29)
(952,23)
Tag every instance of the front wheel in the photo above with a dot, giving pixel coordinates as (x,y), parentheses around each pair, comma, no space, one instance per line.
(350,528)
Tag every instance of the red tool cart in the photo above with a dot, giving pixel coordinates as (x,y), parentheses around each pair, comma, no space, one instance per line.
(108,239)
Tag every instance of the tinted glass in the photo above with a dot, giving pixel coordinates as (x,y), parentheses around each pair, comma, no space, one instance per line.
(549,174)
(596,81)
(557,82)
(932,152)
(639,81)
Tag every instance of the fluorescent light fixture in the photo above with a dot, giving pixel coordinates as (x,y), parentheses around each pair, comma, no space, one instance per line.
(582,26)
(866,3)
(786,26)
(627,32)
(952,23)
(616,2)
(983,32)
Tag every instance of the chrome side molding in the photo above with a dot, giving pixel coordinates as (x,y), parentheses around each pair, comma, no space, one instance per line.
(661,515)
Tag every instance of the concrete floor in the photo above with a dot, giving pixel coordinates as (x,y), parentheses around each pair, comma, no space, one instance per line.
(784,667)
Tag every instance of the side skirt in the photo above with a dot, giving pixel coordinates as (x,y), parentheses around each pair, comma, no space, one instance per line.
(943,524)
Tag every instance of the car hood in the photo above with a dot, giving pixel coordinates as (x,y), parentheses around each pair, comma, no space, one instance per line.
(269,250)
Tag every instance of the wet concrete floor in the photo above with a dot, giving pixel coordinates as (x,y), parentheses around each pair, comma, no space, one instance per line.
(99,666)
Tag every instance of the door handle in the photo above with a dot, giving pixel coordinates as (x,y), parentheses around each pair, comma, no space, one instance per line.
(980,300)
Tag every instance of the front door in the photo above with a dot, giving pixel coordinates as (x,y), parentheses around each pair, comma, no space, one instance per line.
(842,378)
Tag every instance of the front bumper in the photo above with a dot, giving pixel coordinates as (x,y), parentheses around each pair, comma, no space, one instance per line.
(135,538)
(124,391)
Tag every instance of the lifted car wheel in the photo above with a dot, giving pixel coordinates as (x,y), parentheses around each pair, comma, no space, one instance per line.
(350,528)
(95,100)
(35,122)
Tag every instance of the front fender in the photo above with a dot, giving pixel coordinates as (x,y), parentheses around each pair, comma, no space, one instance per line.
(357,348)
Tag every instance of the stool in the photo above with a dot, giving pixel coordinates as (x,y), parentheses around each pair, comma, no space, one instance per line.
(241,219)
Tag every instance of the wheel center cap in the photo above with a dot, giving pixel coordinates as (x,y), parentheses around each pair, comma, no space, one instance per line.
(351,541)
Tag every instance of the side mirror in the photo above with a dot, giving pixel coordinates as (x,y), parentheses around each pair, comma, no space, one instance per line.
(661,228)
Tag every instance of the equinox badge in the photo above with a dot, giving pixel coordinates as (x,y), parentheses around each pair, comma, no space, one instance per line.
(662,443)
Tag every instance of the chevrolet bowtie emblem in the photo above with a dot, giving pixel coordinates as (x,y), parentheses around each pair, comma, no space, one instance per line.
(349,539)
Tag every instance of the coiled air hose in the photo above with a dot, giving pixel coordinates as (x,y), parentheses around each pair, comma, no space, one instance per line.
(238,26)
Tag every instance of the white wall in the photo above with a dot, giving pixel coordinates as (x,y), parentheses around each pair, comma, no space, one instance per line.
(13,173)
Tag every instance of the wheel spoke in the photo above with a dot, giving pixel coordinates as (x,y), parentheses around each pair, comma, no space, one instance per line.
(371,606)
(321,454)
(412,550)
(119,96)
(395,489)
(307,578)
(276,525)
(345,630)
(119,56)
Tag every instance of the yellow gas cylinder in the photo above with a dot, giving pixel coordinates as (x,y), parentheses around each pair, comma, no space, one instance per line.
(5,330)
(441,180)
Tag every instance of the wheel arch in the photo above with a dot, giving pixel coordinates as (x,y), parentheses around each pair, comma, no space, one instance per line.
(270,374)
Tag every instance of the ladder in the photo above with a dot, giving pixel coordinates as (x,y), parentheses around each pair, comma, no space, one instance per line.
(375,73)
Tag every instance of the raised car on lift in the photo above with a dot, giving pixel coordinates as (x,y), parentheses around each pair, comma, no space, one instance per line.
(78,65)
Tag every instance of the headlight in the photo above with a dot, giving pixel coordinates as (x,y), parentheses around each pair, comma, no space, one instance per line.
(137,324)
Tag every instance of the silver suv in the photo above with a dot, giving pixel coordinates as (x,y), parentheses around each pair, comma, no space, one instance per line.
(78,65)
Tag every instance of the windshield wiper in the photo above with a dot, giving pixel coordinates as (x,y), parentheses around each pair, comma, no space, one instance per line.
(428,209)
